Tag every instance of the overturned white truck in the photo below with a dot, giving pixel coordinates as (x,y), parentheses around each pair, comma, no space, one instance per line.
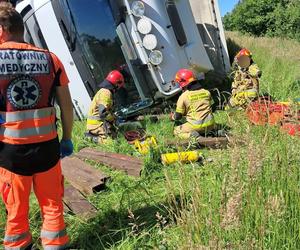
(148,40)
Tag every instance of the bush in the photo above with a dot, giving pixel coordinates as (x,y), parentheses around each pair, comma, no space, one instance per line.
(265,17)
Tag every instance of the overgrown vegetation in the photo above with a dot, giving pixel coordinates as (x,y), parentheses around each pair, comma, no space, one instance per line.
(268,17)
(242,197)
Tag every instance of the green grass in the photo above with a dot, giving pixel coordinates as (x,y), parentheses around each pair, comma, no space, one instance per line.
(242,197)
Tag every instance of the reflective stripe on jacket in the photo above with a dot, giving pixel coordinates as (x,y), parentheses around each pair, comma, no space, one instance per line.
(249,93)
(206,122)
(29,126)
(94,120)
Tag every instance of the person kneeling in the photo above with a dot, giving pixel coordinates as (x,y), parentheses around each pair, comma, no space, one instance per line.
(196,104)
(100,121)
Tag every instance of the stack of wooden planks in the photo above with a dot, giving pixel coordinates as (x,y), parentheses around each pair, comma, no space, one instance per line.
(84,180)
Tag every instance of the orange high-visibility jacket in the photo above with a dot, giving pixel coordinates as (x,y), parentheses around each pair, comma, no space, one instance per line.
(28,78)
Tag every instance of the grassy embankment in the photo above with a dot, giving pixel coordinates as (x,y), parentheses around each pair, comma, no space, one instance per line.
(243,197)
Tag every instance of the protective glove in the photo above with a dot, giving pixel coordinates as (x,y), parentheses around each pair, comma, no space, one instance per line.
(1,120)
(66,148)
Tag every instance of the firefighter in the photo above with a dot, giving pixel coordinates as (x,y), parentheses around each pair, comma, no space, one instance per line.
(196,104)
(30,152)
(245,86)
(100,121)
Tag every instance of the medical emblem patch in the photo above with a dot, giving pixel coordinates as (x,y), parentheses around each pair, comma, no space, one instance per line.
(24,92)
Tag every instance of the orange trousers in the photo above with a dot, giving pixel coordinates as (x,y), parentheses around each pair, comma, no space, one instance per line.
(48,188)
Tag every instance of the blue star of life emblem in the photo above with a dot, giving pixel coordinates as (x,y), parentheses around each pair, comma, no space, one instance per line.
(24,92)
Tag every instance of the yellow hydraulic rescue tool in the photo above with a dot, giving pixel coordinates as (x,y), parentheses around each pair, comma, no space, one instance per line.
(144,146)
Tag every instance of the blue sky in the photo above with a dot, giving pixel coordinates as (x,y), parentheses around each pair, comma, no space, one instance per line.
(226,6)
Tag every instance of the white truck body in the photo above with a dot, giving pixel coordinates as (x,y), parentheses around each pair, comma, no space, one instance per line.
(96,36)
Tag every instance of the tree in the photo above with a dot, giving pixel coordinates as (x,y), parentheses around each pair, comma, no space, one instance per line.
(265,17)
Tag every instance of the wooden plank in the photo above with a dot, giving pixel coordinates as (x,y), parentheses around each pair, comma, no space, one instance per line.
(130,165)
(75,202)
(129,168)
(98,153)
(67,210)
(213,142)
(82,176)
(210,142)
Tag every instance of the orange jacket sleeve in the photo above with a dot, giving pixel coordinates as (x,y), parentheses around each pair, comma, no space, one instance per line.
(63,79)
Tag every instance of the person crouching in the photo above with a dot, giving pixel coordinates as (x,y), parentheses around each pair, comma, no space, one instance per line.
(195,103)
(101,119)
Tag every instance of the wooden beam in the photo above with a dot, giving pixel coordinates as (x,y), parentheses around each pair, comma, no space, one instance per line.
(210,142)
(77,204)
(82,176)
(130,165)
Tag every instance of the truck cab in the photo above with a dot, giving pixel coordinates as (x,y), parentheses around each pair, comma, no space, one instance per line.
(148,41)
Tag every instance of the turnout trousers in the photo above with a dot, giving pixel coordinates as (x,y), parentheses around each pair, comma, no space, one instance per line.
(185,131)
(15,192)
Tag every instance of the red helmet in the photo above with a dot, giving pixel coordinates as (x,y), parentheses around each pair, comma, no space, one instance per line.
(184,77)
(244,52)
(116,78)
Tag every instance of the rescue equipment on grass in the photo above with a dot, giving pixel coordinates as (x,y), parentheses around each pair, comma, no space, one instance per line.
(132,135)
(145,145)
(264,112)
(182,157)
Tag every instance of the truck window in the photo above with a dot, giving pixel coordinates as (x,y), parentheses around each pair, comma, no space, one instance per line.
(32,31)
(176,22)
(90,33)
(95,28)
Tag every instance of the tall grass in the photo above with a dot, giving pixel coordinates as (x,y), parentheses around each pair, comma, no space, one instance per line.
(247,197)
(242,197)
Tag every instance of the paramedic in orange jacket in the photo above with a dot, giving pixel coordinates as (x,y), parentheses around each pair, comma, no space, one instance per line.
(30,79)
